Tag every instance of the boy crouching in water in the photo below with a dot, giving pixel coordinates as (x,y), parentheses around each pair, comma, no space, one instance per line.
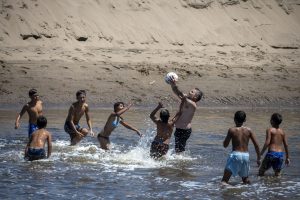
(238,160)
(160,144)
(275,137)
(35,147)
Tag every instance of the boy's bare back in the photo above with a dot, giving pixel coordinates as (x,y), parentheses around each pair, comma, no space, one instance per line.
(240,135)
(277,138)
(240,138)
(39,138)
(164,131)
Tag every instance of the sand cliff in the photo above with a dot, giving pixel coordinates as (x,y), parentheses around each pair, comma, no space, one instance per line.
(243,52)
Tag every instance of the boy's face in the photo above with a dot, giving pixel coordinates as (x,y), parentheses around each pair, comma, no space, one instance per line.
(120,107)
(81,98)
(35,97)
(192,94)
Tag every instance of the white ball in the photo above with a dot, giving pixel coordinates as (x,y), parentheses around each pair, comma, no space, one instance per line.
(169,77)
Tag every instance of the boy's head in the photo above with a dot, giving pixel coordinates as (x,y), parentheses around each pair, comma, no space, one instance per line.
(80,95)
(195,94)
(118,106)
(276,119)
(33,94)
(240,117)
(164,115)
(41,122)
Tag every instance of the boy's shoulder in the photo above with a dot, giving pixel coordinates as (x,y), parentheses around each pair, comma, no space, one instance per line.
(113,114)
(241,129)
(246,128)
(45,131)
(48,133)
(191,102)
(26,105)
(275,130)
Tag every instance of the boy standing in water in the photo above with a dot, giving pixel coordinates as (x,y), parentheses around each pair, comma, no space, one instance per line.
(160,144)
(275,137)
(113,122)
(76,111)
(185,115)
(238,160)
(34,109)
(35,147)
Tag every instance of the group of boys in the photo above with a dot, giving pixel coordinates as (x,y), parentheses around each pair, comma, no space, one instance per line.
(237,162)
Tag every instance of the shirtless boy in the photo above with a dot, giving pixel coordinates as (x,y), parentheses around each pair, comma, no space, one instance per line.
(185,115)
(238,160)
(113,122)
(76,111)
(35,148)
(34,109)
(275,138)
(160,144)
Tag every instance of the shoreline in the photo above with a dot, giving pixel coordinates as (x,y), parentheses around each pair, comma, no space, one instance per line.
(17,108)
(265,83)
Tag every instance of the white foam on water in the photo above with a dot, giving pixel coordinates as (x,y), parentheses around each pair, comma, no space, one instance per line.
(117,157)
(191,184)
(160,180)
(3,142)
(137,157)
(120,156)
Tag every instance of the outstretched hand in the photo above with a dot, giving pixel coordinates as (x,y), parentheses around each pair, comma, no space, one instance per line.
(172,80)
(129,105)
(160,105)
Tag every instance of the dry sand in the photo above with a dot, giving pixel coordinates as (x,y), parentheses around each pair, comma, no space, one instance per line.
(242,52)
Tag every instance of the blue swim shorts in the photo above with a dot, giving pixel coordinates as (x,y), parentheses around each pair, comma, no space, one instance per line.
(68,128)
(238,163)
(35,154)
(31,129)
(273,159)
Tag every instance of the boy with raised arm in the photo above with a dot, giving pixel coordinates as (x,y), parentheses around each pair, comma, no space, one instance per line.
(113,122)
(185,115)
(34,109)
(160,144)
(76,111)
(275,138)
(238,162)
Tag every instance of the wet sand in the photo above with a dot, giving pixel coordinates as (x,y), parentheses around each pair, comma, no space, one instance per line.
(227,78)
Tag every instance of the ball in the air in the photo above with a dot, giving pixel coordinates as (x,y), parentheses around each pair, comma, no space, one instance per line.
(169,77)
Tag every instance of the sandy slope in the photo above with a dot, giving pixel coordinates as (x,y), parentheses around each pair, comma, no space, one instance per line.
(243,52)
